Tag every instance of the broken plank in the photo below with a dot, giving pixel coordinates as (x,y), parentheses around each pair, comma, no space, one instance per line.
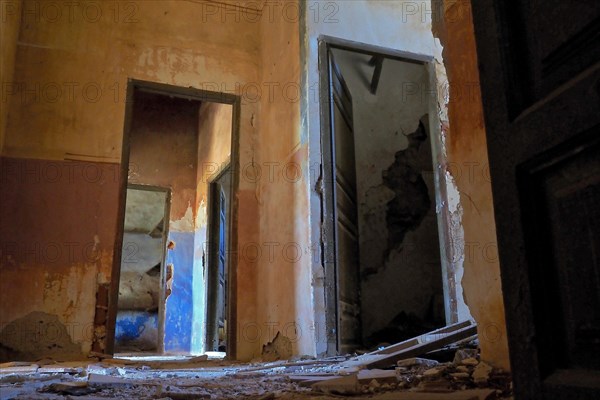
(390,359)
(426,337)
(19,369)
(364,377)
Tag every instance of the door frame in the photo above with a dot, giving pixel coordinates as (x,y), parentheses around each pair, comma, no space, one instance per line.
(212,264)
(190,94)
(328,203)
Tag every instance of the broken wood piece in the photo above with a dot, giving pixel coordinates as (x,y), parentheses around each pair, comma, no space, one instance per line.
(376,73)
(19,369)
(364,377)
(427,337)
(426,344)
(59,370)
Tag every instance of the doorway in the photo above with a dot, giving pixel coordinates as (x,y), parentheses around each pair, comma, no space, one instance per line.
(380,194)
(140,321)
(176,141)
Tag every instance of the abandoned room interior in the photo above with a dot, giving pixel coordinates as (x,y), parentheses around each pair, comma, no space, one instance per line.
(294,199)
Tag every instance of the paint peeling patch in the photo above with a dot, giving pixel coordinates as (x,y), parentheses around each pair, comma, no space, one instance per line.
(37,335)
(411,201)
(453,194)
(278,349)
(185,224)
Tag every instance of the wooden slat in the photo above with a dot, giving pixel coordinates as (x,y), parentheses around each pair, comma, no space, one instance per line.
(390,359)
(423,338)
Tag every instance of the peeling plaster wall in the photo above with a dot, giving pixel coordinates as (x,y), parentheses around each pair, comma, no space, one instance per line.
(468,170)
(56,245)
(214,153)
(398,25)
(399,244)
(10,16)
(283,254)
(68,102)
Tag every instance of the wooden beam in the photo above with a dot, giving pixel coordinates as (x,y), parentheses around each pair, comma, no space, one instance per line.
(428,342)
(377,73)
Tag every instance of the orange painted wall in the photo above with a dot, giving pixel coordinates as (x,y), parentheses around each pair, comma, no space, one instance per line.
(468,165)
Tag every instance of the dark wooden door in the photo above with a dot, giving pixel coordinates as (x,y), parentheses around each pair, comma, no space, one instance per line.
(221,260)
(346,212)
(540,80)
(216,279)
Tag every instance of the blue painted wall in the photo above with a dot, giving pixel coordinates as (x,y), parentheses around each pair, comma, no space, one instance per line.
(136,329)
(179,308)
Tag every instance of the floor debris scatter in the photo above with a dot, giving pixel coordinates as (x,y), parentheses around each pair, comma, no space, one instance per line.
(421,377)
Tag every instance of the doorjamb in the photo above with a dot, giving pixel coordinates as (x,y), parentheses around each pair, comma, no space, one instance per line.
(328,257)
(191,94)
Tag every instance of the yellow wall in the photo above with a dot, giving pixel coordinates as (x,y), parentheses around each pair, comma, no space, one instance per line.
(284,300)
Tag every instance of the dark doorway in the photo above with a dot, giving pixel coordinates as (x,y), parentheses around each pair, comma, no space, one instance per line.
(383,242)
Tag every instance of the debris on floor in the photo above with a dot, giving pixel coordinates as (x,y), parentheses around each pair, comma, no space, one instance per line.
(407,378)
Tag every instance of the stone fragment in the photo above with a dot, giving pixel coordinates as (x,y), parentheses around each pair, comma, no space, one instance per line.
(463,354)
(481,373)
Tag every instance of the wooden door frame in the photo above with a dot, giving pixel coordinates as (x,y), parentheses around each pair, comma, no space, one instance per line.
(190,94)
(328,204)
(213,220)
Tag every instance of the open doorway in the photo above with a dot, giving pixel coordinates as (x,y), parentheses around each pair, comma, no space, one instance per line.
(177,143)
(140,321)
(380,196)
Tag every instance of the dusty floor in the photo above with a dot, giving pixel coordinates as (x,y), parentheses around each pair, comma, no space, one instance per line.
(198,378)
